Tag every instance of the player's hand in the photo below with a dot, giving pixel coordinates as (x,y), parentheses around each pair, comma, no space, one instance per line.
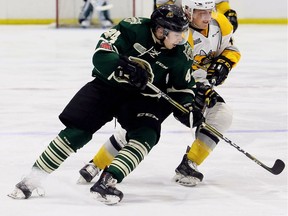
(192,119)
(232,17)
(132,72)
(196,118)
(205,95)
(219,70)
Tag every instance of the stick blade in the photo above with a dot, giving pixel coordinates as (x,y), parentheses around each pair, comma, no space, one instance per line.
(278,167)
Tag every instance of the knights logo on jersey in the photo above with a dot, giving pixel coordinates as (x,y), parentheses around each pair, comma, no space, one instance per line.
(188,51)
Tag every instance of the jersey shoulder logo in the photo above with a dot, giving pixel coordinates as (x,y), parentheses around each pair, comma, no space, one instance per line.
(105,45)
(133,20)
(188,51)
(197,41)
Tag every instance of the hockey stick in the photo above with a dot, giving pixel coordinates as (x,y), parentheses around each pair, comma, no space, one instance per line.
(278,166)
(276,169)
(168,98)
(200,66)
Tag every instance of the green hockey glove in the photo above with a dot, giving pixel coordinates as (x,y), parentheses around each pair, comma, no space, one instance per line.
(194,117)
(132,72)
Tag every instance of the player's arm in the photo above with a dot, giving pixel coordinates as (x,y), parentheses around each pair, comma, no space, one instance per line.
(227,56)
(223,7)
(182,87)
(111,66)
(228,49)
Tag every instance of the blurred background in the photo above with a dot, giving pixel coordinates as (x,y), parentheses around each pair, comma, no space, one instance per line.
(47,11)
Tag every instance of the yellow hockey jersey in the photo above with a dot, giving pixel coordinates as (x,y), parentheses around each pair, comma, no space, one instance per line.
(211,43)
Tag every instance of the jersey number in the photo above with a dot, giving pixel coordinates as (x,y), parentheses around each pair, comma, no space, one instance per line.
(113,34)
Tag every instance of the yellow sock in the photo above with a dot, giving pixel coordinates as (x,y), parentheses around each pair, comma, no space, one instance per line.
(103,158)
(198,152)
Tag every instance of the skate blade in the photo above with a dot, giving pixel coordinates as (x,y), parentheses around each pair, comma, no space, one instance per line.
(187,181)
(107,200)
(82,181)
(17,194)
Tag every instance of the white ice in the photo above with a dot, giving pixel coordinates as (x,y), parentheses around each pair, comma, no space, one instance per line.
(42,68)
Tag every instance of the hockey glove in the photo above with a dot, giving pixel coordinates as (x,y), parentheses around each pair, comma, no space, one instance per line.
(194,117)
(205,95)
(218,70)
(132,72)
(232,17)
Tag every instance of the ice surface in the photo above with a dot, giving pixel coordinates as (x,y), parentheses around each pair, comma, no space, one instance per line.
(42,68)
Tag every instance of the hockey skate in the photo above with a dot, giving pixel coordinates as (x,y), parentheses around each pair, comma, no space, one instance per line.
(24,189)
(187,173)
(104,190)
(87,173)
(29,184)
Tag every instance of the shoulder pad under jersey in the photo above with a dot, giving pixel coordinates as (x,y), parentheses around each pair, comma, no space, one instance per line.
(225,26)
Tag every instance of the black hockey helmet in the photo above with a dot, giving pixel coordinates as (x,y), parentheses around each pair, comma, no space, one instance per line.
(170,17)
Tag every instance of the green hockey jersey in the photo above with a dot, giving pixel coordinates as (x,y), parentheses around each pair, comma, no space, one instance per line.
(171,68)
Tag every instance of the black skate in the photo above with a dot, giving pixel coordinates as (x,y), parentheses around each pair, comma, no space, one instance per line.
(104,190)
(187,173)
(87,173)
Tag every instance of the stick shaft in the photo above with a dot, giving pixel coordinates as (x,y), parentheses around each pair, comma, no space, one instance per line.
(278,166)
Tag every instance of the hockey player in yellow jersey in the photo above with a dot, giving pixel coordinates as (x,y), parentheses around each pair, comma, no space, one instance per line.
(214,57)
(222,6)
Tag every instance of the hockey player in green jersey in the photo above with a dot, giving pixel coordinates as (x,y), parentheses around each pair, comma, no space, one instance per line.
(214,57)
(134,52)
